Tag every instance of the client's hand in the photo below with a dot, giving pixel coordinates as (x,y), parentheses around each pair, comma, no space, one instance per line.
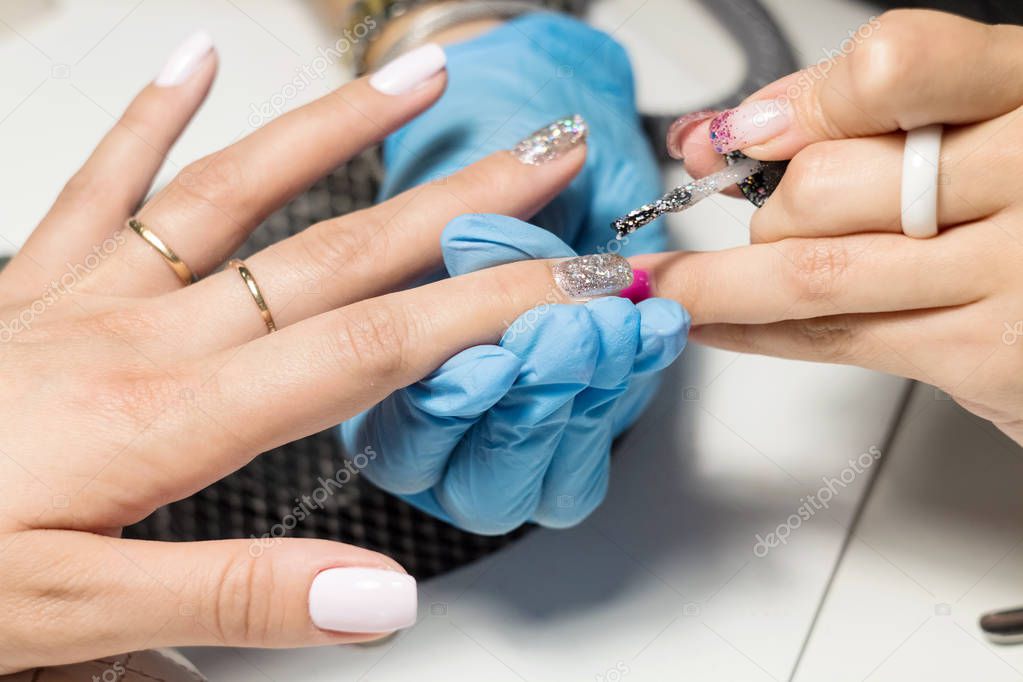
(524,431)
(125,390)
(501,435)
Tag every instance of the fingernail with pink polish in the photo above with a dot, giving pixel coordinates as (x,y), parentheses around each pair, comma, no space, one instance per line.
(681,128)
(409,70)
(640,289)
(184,60)
(363,600)
(748,124)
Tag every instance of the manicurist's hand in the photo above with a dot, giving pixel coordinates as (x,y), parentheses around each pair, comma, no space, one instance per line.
(126,388)
(522,432)
(830,275)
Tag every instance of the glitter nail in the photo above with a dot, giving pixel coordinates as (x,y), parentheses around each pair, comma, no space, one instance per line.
(589,276)
(551,141)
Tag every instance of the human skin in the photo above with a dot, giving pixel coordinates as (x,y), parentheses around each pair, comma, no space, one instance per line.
(829,275)
(125,390)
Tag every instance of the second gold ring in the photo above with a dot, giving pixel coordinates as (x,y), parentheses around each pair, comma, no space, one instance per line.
(257,294)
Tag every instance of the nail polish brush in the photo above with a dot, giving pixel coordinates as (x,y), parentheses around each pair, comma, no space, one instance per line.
(755,179)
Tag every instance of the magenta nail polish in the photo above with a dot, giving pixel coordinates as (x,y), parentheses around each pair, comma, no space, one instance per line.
(748,124)
(639,290)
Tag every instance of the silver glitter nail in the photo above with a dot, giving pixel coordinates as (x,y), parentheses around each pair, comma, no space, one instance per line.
(590,276)
(551,141)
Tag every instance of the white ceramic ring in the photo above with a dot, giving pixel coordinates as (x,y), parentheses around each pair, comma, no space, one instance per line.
(920,162)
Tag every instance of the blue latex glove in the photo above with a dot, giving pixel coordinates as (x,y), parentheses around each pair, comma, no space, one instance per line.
(522,431)
(501,435)
(517,78)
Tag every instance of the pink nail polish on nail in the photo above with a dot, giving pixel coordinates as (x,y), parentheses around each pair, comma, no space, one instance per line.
(681,128)
(748,124)
(410,70)
(639,290)
(362,600)
(184,60)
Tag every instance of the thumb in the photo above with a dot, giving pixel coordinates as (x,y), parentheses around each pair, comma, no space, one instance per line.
(119,595)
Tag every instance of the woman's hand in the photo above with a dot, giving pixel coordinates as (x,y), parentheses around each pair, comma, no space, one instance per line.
(830,276)
(124,390)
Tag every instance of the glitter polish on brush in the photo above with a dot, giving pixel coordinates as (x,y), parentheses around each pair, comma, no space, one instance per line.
(552,141)
(586,277)
(755,179)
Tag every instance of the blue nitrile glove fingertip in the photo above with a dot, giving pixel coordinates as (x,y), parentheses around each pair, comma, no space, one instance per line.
(664,328)
(468,384)
(477,241)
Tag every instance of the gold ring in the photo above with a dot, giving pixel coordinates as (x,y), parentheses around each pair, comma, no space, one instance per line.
(257,295)
(183,272)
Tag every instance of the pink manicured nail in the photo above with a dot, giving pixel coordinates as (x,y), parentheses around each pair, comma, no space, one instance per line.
(682,126)
(409,70)
(748,124)
(362,600)
(185,59)
(639,290)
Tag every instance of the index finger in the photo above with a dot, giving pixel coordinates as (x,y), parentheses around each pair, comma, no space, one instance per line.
(800,278)
(322,371)
(900,71)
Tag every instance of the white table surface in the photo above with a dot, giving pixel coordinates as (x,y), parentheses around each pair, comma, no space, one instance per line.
(662,582)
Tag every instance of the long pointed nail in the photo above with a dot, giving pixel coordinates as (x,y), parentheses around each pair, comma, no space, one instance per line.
(410,70)
(362,600)
(680,129)
(184,60)
(586,277)
(552,141)
(749,124)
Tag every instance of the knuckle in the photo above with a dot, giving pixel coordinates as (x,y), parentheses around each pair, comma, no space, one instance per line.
(494,180)
(376,340)
(816,266)
(884,64)
(331,245)
(219,180)
(831,339)
(240,602)
(84,188)
(130,322)
(797,199)
(129,397)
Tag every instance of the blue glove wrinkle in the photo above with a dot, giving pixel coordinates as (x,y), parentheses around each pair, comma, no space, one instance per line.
(434,414)
(664,331)
(664,328)
(576,480)
(493,480)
